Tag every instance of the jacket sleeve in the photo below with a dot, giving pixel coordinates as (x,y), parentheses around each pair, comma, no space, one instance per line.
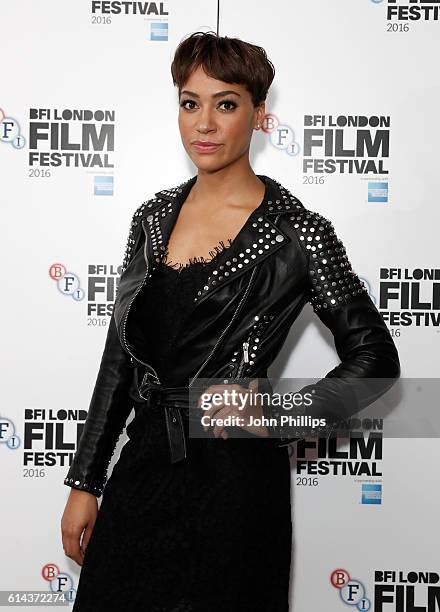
(109,408)
(369,360)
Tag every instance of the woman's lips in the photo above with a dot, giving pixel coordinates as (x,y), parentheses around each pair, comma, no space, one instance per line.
(205,148)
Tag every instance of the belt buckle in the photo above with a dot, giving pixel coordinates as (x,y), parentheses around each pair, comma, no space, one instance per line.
(150,395)
(152,388)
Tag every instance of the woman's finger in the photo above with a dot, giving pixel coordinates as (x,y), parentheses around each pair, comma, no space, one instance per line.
(219,388)
(216,405)
(221,415)
(72,548)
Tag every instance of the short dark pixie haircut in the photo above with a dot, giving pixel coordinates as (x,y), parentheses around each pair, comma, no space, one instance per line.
(227,59)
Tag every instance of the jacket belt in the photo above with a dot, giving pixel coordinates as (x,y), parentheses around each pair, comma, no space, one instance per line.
(172,400)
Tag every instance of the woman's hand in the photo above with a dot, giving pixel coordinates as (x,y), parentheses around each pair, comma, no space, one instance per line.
(245,409)
(79,516)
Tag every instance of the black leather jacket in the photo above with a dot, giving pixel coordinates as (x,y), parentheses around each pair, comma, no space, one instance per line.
(284,256)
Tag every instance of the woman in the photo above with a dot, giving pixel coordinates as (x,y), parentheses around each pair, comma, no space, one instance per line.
(216,271)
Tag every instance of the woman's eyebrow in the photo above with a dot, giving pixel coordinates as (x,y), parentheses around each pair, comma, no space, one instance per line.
(216,95)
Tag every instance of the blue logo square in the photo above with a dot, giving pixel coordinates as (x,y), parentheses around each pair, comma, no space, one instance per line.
(104,185)
(371,494)
(159,30)
(377,192)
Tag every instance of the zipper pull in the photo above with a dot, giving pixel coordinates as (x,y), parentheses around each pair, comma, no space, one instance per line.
(246,352)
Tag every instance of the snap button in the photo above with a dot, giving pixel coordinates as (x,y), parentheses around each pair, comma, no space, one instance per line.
(279,237)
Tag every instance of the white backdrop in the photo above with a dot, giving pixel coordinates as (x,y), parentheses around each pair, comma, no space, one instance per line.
(68,199)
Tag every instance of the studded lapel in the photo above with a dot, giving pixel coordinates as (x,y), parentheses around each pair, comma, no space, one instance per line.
(258,238)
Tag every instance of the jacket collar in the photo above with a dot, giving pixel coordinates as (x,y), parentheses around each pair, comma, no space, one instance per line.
(258,238)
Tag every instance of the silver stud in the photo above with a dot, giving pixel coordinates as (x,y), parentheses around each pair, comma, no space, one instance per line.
(330,263)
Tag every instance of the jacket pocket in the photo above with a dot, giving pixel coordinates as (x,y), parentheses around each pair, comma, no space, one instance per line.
(248,353)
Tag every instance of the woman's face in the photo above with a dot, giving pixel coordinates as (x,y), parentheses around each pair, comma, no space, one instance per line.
(208,114)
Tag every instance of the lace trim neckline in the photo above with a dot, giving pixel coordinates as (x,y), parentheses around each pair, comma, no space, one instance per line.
(179,266)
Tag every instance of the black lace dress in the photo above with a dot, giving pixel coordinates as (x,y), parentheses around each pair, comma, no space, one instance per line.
(211,533)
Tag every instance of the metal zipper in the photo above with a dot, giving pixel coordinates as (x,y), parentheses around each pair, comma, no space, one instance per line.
(128,310)
(254,271)
(245,357)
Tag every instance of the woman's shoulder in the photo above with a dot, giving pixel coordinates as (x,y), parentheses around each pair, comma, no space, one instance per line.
(282,200)
(161,198)
(304,218)
(312,229)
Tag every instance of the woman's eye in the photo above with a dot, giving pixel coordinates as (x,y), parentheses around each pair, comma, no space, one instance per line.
(229,103)
(186,102)
(233,104)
